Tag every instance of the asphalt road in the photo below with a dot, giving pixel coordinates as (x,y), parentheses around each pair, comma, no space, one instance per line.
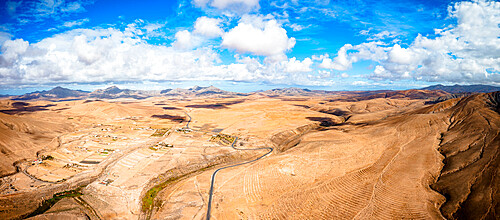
(211,192)
(187,125)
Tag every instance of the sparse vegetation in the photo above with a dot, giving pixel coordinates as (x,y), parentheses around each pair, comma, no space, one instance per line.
(148,199)
(47,204)
(160,132)
(47,157)
(223,139)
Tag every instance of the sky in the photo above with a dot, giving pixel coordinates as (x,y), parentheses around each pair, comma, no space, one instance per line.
(247,45)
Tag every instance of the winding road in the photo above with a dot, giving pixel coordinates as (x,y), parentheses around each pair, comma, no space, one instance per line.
(25,171)
(187,125)
(212,181)
(211,192)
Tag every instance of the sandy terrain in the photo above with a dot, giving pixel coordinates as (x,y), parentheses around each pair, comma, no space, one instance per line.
(384,157)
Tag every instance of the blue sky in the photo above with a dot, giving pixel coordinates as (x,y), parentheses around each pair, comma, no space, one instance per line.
(247,45)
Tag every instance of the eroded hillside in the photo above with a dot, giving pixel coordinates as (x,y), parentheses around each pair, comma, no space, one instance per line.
(470,178)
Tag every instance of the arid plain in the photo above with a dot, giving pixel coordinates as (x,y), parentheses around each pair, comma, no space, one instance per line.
(343,155)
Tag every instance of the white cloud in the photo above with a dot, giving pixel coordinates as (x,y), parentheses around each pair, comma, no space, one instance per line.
(200,3)
(4,36)
(72,7)
(153,27)
(75,23)
(298,27)
(111,55)
(401,55)
(238,6)
(289,71)
(154,30)
(360,83)
(468,52)
(293,65)
(379,36)
(381,72)
(265,38)
(208,27)
(183,40)
(46,8)
(343,61)
(340,62)
(222,4)
(101,55)
(28,11)
(12,50)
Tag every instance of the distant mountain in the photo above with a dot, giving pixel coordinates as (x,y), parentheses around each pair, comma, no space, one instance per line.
(293,91)
(354,96)
(55,93)
(357,95)
(463,88)
(199,91)
(411,93)
(114,92)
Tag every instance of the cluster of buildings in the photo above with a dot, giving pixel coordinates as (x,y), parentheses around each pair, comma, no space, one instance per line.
(184,129)
(161,145)
(106,182)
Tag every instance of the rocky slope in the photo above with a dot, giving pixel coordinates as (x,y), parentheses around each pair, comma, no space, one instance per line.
(470,178)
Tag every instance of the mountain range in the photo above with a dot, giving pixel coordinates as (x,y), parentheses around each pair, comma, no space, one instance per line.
(55,93)
(464,88)
(114,92)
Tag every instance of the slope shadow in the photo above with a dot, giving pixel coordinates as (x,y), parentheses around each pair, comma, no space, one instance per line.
(23,108)
(170,117)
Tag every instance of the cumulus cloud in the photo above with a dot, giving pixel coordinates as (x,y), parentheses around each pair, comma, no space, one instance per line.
(400,55)
(183,40)
(293,65)
(239,6)
(259,37)
(343,61)
(112,55)
(101,55)
(208,27)
(290,71)
(467,52)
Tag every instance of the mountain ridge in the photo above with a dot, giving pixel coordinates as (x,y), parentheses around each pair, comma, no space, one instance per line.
(114,92)
(478,88)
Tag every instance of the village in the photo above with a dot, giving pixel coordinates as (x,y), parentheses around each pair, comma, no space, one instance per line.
(87,148)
